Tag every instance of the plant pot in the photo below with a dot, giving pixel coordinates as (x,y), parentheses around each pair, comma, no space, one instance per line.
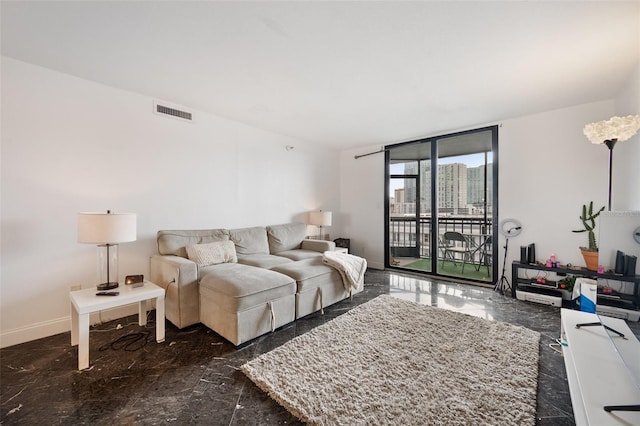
(566,294)
(590,258)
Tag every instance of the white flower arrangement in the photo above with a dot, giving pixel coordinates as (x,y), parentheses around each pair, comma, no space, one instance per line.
(615,128)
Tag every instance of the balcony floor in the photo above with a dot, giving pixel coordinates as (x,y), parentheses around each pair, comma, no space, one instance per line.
(448,268)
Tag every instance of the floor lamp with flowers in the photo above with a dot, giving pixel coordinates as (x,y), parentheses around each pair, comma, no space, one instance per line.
(611,131)
(607,132)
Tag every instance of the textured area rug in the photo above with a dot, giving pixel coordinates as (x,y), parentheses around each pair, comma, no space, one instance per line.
(391,361)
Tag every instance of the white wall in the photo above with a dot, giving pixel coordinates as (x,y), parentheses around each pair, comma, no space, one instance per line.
(548,169)
(626,155)
(71,145)
(362,200)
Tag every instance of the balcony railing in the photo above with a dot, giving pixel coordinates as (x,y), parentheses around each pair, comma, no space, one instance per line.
(405,240)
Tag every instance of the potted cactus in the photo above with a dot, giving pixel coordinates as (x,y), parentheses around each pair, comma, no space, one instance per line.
(590,253)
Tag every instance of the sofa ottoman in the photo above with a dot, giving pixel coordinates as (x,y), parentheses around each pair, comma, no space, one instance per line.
(318,285)
(241,302)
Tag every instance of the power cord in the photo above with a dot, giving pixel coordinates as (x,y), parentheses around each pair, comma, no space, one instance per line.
(119,326)
(129,342)
(557,346)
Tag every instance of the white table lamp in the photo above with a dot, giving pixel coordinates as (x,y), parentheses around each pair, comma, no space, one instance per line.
(107,230)
(320,219)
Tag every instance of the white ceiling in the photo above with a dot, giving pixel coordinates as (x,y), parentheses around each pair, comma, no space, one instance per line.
(346,74)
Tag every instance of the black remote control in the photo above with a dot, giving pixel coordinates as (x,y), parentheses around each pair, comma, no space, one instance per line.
(107,293)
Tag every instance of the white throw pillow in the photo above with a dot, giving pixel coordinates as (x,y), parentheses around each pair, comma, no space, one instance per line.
(213,253)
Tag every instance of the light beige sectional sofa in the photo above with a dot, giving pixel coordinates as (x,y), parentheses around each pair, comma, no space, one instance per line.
(243,283)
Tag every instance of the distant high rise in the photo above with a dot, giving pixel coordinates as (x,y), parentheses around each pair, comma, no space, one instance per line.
(476,186)
(425,185)
(458,187)
(452,186)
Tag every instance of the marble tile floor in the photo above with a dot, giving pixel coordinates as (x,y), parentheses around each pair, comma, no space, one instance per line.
(193,377)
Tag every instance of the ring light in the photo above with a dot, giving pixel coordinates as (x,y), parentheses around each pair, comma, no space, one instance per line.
(510,227)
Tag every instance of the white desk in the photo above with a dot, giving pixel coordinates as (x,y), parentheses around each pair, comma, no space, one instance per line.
(84,302)
(596,374)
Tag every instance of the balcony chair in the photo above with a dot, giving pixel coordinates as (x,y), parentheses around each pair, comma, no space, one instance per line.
(454,243)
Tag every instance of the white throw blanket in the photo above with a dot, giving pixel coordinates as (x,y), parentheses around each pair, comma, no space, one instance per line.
(351,267)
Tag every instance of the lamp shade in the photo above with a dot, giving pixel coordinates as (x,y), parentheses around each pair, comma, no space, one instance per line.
(106,228)
(619,129)
(320,218)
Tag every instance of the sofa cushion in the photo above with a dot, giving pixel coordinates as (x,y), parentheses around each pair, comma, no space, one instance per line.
(318,245)
(300,254)
(250,240)
(285,237)
(266,261)
(175,242)
(310,273)
(212,253)
(238,287)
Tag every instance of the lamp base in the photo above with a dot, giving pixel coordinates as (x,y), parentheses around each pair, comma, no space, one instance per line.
(107,286)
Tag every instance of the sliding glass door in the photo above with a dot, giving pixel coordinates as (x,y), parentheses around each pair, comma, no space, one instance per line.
(440,205)
(408,234)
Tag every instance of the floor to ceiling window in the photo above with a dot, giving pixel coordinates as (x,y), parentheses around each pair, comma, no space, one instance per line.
(441,198)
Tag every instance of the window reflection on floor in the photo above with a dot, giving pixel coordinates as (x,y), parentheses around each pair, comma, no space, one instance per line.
(463,298)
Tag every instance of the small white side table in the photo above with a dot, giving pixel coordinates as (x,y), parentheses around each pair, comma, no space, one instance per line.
(84,302)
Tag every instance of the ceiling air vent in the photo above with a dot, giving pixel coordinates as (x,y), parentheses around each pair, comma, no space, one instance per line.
(170,111)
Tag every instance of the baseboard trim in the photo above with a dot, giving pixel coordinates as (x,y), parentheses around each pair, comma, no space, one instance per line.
(35,331)
(376,265)
(59,325)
